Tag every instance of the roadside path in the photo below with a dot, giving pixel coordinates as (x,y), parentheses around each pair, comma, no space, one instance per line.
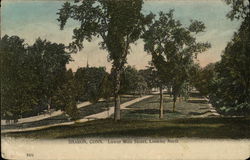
(212,109)
(106,114)
(45,116)
(100,115)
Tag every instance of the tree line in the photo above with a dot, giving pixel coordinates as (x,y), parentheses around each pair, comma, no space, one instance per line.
(35,77)
(30,75)
(121,23)
(173,48)
(227,82)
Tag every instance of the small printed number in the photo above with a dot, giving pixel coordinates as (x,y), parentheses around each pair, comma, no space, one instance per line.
(30,155)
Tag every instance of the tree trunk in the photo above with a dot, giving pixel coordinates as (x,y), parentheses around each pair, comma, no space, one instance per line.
(117,113)
(49,105)
(174,101)
(117,108)
(174,106)
(107,106)
(161,103)
(169,91)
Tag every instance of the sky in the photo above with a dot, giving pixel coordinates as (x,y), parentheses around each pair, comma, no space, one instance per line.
(31,19)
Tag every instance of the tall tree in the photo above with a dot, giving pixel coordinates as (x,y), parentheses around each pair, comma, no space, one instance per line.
(149,75)
(202,78)
(173,48)
(117,23)
(88,81)
(231,87)
(106,89)
(132,81)
(50,61)
(30,75)
(80,81)
(18,94)
(65,96)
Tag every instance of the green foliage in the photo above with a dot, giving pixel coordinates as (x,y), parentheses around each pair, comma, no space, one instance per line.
(30,75)
(89,81)
(185,90)
(151,78)
(232,85)
(17,85)
(67,96)
(240,9)
(117,23)
(202,78)
(106,87)
(173,48)
(132,81)
(72,111)
(66,92)
(230,92)
(49,61)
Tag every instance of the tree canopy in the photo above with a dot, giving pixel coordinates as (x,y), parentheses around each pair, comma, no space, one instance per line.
(132,81)
(229,85)
(240,9)
(30,75)
(117,23)
(202,78)
(89,81)
(173,48)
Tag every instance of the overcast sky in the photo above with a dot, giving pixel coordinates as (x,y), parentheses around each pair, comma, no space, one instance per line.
(33,19)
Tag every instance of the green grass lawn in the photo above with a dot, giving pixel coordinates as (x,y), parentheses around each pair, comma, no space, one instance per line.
(141,120)
(149,109)
(213,127)
(52,120)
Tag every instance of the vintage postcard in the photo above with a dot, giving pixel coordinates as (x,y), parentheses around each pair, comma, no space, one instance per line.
(125,79)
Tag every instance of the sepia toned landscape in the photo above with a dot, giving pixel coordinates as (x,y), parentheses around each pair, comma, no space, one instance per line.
(125,69)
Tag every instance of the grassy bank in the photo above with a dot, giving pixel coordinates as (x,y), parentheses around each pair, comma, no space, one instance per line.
(213,127)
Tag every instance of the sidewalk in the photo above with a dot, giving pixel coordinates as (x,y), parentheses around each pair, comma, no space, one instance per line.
(106,114)
(100,115)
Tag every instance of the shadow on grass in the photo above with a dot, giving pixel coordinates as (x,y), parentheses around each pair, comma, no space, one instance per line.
(151,111)
(174,131)
(47,121)
(198,113)
(204,107)
(169,131)
(194,94)
(158,101)
(197,101)
(193,127)
(214,120)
